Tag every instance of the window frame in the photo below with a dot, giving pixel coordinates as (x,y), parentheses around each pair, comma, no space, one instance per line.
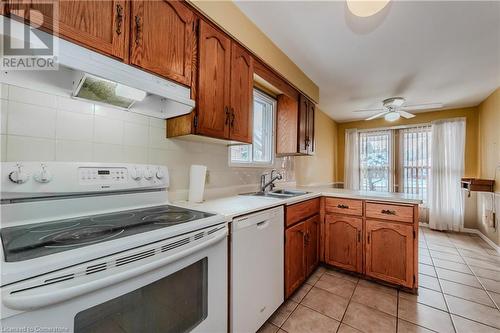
(390,156)
(401,163)
(257,93)
(396,175)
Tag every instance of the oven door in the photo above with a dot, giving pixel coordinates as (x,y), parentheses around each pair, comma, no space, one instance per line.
(180,291)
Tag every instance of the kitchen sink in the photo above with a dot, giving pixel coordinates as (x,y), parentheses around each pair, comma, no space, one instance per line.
(280,194)
(289,193)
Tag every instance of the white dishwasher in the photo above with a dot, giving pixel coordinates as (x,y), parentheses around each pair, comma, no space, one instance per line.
(257,269)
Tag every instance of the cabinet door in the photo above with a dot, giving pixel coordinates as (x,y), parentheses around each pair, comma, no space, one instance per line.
(389,252)
(241,94)
(312,244)
(99,25)
(295,267)
(310,128)
(287,117)
(302,135)
(214,79)
(162,39)
(343,242)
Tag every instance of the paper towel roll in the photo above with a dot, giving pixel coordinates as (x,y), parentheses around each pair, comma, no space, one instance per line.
(197,176)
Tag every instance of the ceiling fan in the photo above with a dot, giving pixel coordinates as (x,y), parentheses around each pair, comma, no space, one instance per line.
(393,108)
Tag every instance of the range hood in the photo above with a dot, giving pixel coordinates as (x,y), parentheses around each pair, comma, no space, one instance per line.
(174,99)
(120,85)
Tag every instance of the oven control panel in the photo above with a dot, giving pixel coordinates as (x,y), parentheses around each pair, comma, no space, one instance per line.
(92,175)
(37,179)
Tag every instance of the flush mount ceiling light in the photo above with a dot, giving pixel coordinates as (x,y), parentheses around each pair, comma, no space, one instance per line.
(365,8)
(392,116)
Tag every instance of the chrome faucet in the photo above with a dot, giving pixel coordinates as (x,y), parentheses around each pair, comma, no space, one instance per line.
(275,175)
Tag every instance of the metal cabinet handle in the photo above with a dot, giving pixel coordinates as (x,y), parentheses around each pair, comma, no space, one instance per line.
(342,206)
(138,29)
(226,111)
(368,238)
(119,18)
(359,236)
(232,117)
(388,212)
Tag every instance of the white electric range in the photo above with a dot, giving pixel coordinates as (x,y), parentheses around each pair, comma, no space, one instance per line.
(96,247)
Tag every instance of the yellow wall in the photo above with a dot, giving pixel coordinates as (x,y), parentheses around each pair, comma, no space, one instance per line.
(489,137)
(489,159)
(471,140)
(319,168)
(230,18)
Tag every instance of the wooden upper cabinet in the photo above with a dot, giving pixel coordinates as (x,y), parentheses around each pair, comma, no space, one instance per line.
(287,120)
(295,126)
(306,126)
(295,264)
(344,242)
(213,82)
(303,128)
(310,128)
(162,38)
(312,244)
(99,25)
(389,252)
(241,122)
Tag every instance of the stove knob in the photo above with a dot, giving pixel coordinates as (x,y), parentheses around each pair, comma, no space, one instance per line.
(136,174)
(148,174)
(159,174)
(18,176)
(43,176)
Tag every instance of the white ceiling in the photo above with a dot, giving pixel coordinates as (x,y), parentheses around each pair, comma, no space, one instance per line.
(427,52)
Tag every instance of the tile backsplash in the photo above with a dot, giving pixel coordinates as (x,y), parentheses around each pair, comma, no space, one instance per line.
(42,126)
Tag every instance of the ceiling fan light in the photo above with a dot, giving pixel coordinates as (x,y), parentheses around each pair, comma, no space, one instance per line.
(366,8)
(392,116)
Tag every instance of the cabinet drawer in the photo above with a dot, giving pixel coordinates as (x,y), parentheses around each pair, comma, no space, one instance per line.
(300,211)
(344,206)
(389,212)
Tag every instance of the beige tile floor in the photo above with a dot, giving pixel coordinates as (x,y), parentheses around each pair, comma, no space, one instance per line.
(459,291)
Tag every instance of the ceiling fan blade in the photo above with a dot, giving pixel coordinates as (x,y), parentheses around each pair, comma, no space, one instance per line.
(377,115)
(405,114)
(428,106)
(370,110)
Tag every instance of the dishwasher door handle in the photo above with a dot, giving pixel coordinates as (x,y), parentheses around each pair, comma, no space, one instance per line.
(262,224)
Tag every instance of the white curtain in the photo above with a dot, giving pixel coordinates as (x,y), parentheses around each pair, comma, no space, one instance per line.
(351,160)
(446,211)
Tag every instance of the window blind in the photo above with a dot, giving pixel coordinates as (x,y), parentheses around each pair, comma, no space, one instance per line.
(415,145)
(375,160)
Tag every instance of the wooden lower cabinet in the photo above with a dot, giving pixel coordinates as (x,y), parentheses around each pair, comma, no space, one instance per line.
(295,260)
(312,244)
(389,252)
(301,252)
(344,242)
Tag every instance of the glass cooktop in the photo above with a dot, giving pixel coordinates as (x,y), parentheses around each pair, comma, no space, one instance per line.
(40,239)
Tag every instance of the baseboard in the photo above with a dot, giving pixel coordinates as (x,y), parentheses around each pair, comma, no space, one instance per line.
(483,237)
(473,231)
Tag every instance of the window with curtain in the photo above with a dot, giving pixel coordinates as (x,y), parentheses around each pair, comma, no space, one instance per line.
(375,159)
(415,147)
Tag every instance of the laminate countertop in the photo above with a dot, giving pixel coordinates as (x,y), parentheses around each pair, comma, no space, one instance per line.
(238,205)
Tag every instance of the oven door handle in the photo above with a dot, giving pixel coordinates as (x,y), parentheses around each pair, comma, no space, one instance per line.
(38,297)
